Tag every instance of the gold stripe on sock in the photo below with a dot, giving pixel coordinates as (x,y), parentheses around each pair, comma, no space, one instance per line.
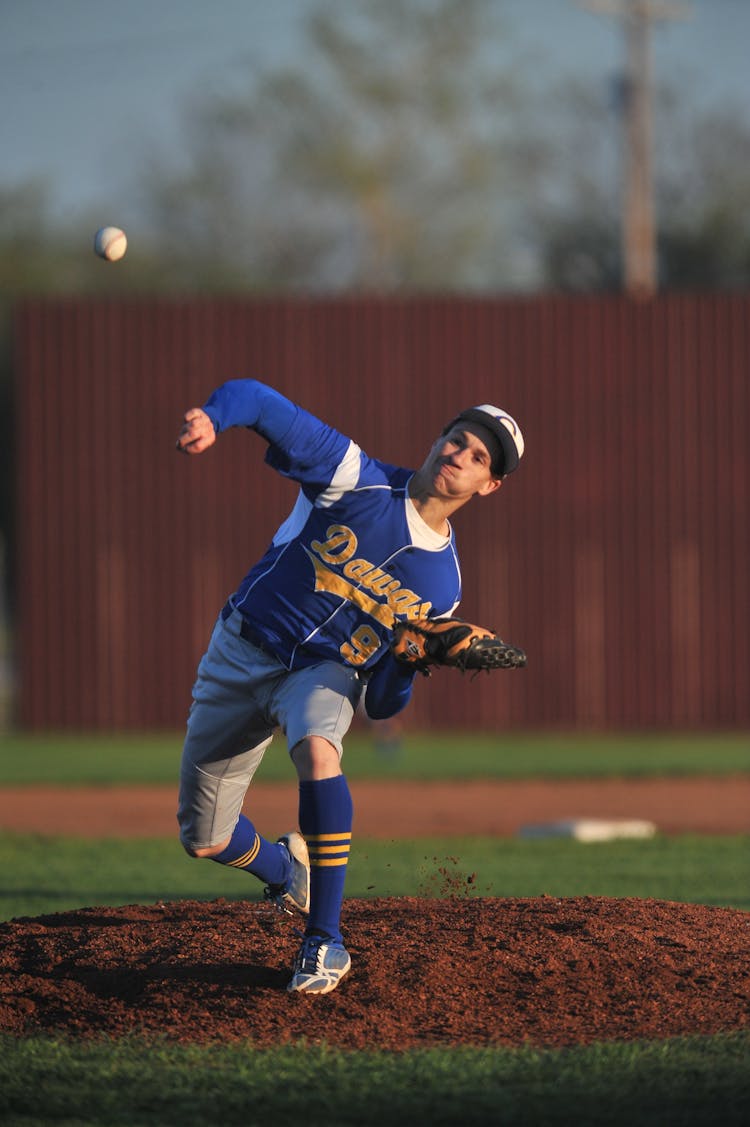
(329,850)
(328,837)
(246,858)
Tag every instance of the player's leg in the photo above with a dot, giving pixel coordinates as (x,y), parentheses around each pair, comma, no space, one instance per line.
(325,819)
(212,824)
(227,735)
(316,709)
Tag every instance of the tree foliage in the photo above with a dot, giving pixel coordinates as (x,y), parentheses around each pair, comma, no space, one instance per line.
(383,164)
(411,149)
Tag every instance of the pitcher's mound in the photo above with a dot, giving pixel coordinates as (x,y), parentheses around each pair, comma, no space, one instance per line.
(425,972)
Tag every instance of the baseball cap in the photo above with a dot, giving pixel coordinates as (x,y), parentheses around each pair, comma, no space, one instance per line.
(505,430)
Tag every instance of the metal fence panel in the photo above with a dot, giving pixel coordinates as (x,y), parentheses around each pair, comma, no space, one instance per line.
(618,555)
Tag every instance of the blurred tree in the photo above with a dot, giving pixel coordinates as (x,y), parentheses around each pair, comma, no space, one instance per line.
(573,205)
(703,177)
(416,151)
(384,164)
(703,188)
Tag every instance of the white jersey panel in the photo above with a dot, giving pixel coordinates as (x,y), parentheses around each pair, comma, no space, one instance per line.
(345,478)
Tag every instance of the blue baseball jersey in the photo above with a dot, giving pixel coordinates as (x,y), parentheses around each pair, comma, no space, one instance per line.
(352,558)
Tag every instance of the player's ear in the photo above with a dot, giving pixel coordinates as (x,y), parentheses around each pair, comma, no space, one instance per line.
(489,487)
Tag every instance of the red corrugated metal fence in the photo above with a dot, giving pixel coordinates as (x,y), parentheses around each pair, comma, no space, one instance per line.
(618,555)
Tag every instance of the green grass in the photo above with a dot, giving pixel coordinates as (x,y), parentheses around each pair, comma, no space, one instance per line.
(56,874)
(680,1083)
(112,759)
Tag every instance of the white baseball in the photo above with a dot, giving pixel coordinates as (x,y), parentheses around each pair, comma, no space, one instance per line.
(110,243)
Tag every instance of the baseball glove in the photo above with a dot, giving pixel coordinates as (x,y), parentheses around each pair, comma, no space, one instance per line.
(454,643)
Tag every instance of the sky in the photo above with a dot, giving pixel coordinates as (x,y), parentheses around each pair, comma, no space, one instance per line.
(88,85)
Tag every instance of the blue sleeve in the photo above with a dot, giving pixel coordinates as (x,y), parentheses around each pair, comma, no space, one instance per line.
(300,446)
(249,403)
(388,689)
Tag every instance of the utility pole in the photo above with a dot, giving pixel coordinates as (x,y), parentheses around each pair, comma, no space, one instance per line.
(638,226)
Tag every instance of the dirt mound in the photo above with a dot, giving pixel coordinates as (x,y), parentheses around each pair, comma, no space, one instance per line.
(425,972)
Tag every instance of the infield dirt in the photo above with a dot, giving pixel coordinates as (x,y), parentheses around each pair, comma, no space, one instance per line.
(714,805)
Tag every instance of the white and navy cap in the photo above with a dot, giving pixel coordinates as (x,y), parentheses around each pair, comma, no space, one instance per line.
(508,447)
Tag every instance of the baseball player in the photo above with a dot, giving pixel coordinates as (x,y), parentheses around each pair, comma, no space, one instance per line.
(366,552)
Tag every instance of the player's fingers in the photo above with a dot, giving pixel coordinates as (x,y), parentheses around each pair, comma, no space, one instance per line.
(197,433)
(199,445)
(191,443)
(194,413)
(194,422)
(188,434)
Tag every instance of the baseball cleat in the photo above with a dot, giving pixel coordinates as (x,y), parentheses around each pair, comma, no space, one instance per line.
(320,965)
(295,894)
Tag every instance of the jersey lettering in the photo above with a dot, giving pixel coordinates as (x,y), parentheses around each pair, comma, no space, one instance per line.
(340,545)
(327,580)
(338,548)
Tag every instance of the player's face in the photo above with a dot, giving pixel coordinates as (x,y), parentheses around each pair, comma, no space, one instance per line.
(460,466)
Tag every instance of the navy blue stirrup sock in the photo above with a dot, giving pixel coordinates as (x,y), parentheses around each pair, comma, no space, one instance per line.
(249,851)
(325,819)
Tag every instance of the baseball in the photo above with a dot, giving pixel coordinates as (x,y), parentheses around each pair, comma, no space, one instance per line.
(110,243)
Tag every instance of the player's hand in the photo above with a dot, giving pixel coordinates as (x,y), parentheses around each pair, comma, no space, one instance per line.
(197,432)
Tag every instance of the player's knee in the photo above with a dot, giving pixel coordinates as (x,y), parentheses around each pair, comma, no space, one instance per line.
(316,758)
(203,850)
(209,850)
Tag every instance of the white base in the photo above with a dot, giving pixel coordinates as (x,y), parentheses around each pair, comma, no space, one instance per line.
(591,829)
